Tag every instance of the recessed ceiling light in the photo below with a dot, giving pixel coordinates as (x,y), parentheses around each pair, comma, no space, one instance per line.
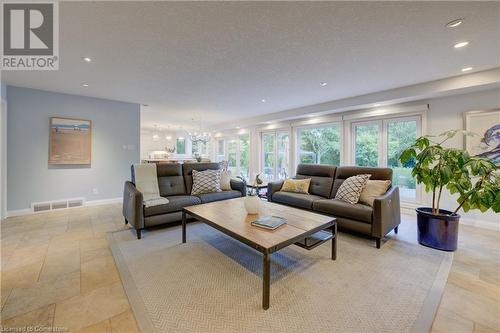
(87,59)
(323,84)
(268,122)
(466,69)
(310,115)
(238,127)
(85,85)
(461,44)
(263,100)
(376,104)
(455,23)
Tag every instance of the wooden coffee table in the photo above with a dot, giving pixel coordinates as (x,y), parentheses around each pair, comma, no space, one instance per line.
(303,228)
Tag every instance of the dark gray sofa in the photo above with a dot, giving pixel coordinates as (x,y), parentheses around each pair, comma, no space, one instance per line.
(376,221)
(175,182)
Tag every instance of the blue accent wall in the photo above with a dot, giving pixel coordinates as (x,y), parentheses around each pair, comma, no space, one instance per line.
(115,146)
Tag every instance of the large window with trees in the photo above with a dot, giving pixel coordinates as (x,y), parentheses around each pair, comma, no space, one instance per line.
(319,144)
(232,149)
(380,142)
(276,154)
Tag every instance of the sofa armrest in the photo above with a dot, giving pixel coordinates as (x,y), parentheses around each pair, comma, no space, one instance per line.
(133,210)
(239,185)
(273,187)
(386,213)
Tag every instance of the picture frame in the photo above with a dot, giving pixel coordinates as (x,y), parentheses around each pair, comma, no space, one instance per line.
(70,141)
(485,123)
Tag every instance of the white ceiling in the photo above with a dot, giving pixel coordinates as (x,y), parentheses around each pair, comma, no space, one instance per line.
(215,61)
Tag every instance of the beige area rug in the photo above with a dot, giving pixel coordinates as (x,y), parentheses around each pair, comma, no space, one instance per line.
(213,284)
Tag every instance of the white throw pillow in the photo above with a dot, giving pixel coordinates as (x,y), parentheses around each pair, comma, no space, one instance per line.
(225,180)
(373,189)
(351,188)
(207,181)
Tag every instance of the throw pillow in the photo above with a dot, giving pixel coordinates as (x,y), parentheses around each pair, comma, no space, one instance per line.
(207,181)
(296,185)
(373,189)
(351,188)
(225,180)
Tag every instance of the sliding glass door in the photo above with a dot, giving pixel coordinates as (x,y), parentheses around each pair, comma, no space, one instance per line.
(367,144)
(276,154)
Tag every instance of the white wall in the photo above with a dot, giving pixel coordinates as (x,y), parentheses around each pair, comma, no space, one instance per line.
(3,152)
(447,113)
(148,144)
(115,146)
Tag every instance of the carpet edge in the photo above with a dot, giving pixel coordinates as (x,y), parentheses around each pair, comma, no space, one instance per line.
(130,289)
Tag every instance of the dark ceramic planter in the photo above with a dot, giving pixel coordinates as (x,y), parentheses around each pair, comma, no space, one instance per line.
(437,231)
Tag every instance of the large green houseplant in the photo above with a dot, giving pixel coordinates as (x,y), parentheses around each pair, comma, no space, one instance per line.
(474,180)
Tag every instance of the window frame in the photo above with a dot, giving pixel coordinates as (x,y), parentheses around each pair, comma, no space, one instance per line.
(383,122)
(275,150)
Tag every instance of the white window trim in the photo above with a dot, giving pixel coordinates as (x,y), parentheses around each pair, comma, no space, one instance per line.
(291,142)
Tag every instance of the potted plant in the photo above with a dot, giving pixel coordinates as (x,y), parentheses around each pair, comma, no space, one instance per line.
(475,180)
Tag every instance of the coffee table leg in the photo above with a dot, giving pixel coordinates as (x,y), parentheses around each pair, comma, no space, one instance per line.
(266,279)
(334,242)
(183,226)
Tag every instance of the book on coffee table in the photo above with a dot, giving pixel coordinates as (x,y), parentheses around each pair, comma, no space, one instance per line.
(269,222)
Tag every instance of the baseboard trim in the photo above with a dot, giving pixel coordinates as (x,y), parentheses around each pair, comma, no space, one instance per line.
(28,211)
(463,220)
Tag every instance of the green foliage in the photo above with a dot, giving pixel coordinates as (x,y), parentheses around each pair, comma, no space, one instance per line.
(367,145)
(320,145)
(475,180)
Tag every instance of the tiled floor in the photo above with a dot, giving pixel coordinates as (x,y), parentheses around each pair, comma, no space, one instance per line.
(57,270)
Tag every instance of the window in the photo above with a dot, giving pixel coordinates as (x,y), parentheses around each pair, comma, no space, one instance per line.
(200,147)
(319,145)
(400,135)
(232,149)
(276,154)
(366,144)
(220,154)
(380,143)
(244,159)
(181,146)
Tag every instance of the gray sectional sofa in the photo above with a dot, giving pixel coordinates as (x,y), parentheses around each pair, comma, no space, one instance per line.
(175,182)
(376,221)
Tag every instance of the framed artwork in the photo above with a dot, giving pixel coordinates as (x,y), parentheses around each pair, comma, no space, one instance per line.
(70,141)
(485,123)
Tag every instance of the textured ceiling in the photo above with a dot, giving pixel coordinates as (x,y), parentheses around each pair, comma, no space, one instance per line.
(216,61)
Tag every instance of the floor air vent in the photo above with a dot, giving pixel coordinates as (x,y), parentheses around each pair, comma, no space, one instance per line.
(75,203)
(41,206)
(58,204)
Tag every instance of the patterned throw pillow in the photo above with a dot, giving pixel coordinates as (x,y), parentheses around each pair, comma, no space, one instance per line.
(207,181)
(351,188)
(296,185)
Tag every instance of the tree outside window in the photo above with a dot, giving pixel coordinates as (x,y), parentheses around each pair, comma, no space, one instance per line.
(319,145)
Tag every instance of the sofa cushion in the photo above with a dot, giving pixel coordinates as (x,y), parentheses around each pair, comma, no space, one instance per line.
(348,171)
(187,171)
(296,199)
(217,196)
(351,188)
(296,185)
(176,203)
(341,208)
(321,178)
(207,181)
